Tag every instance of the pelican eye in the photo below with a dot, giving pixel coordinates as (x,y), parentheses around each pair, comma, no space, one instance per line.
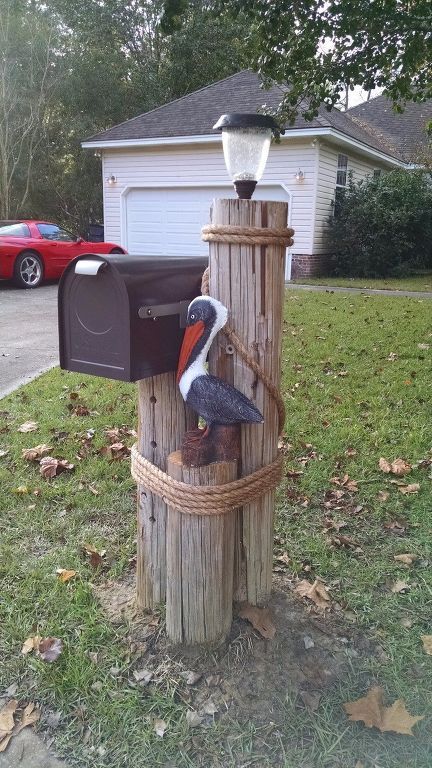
(193,316)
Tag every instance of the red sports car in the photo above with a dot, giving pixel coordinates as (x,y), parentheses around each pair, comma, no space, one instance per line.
(31,251)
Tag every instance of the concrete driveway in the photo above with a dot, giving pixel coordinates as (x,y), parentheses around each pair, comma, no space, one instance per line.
(28,333)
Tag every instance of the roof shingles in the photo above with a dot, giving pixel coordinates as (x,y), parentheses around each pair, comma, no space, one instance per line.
(196,113)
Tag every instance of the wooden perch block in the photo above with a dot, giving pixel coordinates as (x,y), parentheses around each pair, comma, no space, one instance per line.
(221,442)
(200,557)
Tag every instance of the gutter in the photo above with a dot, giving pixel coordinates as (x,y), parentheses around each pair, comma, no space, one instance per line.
(330,133)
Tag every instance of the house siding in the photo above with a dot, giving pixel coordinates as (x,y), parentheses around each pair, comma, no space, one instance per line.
(360,167)
(204,165)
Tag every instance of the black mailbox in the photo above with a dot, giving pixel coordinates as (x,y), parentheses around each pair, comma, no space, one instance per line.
(123,316)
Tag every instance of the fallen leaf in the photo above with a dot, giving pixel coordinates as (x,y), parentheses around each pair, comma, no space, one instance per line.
(50,649)
(36,453)
(397,467)
(22,489)
(190,677)
(398,527)
(345,482)
(95,557)
(400,586)
(311,699)
(209,708)
(308,642)
(423,346)
(3,452)
(400,467)
(350,452)
(411,488)
(260,619)
(371,710)
(406,622)
(7,717)
(345,541)
(193,719)
(427,644)
(407,558)
(316,592)
(28,716)
(51,467)
(65,575)
(383,495)
(28,426)
(159,727)
(31,644)
(142,676)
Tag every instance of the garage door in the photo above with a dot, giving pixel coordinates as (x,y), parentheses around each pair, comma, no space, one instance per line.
(167,221)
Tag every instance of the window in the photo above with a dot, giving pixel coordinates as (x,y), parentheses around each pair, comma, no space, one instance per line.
(53,232)
(377,173)
(342,170)
(341,182)
(14,230)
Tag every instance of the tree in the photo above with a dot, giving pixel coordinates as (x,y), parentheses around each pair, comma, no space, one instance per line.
(26,79)
(383,226)
(320,48)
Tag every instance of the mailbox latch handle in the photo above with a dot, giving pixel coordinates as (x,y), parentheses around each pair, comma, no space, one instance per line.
(153,311)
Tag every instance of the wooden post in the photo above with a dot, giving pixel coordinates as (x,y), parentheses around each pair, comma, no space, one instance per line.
(163,418)
(249,280)
(200,556)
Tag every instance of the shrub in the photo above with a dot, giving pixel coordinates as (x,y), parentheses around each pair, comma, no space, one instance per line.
(383,226)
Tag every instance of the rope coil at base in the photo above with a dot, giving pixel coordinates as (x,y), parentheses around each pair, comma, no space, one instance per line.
(205,499)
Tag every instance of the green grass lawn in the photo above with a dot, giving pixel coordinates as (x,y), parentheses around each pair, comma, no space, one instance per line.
(357,387)
(414,283)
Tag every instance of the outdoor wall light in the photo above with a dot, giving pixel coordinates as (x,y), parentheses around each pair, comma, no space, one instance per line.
(111,179)
(299,176)
(246,142)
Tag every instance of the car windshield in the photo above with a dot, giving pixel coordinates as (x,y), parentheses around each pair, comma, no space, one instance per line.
(14,230)
(53,232)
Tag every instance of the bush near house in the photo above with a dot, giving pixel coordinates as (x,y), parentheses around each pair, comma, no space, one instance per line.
(383,226)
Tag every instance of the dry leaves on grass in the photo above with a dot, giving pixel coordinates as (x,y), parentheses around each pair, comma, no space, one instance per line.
(28,426)
(48,648)
(400,586)
(398,467)
(411,488)
(159,727)
(317,592)
(406,558)
(36,453)
(13,719)
(345,482)
(64,575)
(95,557)
(115,452)
(50,467)
(260,619)
(193,719)
(371,710)
(427,644)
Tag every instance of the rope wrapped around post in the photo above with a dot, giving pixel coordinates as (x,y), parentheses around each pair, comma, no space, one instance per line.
(205,500)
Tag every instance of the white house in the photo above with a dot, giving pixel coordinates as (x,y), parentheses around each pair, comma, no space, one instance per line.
(161,170)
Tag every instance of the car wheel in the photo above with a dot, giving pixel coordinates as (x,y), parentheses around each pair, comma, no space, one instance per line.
(116,250)
(28,270)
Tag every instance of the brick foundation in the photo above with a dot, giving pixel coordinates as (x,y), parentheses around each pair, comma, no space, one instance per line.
(304,265)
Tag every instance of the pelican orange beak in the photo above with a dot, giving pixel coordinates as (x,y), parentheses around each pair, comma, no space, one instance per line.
(191,337)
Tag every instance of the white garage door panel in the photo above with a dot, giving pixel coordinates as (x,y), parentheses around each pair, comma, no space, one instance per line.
(168,221)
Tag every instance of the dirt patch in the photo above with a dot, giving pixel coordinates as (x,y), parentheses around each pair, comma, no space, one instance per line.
(247,677)
(27,750)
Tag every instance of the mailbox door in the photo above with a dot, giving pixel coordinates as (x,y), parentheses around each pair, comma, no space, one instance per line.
(94,320)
